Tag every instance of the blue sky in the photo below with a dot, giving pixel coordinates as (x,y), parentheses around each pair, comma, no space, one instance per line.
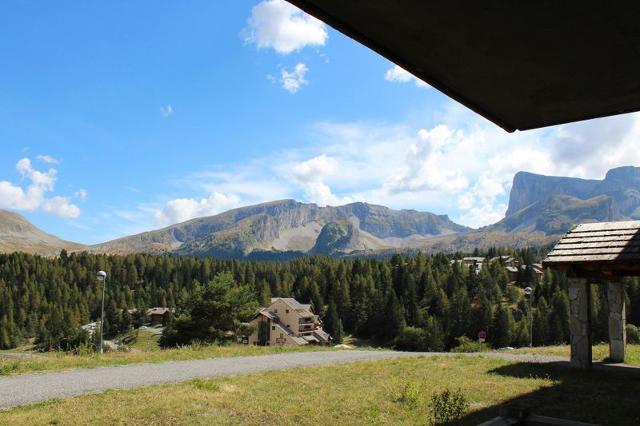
(119,117)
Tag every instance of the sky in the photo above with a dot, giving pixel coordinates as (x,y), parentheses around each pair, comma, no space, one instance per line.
(121,117)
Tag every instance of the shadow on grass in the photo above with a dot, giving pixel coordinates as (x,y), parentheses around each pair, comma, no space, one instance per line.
(606,395)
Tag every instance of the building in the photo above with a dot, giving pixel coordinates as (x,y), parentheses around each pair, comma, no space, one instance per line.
(512,272)
(158,315)
(287,322)
(505,260)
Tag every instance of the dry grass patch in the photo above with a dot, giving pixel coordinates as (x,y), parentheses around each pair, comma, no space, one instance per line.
(354,394)
(55,361)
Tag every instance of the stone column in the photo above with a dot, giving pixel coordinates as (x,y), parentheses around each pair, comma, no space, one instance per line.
(617,332)
(580,322)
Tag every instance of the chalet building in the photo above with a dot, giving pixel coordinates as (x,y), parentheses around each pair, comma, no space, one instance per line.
(287,322)
(512,272)
(158,315)
(506,260)
(510,263)
(474,263)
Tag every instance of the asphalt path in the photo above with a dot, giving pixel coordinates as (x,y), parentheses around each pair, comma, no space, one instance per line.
(32,388)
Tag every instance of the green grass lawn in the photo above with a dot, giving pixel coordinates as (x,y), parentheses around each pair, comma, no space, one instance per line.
(355,394)
(144,349)
(600,352)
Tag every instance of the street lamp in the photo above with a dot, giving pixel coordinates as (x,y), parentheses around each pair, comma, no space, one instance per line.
(102,276)
(528,292)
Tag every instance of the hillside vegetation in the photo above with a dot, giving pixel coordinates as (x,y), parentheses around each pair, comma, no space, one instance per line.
(418,303)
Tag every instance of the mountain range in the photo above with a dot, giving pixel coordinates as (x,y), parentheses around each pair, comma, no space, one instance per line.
(17,234)
(541,208)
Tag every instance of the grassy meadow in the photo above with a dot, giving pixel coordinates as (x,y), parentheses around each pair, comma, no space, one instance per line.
(600,352)
(381,392)
(144,348)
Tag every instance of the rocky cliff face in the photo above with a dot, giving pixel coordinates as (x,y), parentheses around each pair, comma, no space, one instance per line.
(529,188)
(285,227)
(552,204)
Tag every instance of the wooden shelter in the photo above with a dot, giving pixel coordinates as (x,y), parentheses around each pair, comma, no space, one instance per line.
(600,253)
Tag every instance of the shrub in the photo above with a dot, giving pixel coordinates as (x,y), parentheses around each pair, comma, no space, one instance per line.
(412,339)
(9,367)
(633,334)
(408,395)
(207,385)
(467,345)
(448,407)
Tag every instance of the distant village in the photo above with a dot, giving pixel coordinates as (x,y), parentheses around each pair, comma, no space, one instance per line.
(514,269)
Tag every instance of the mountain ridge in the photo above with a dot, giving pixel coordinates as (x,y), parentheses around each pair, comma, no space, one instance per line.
(18,234)
(541,209)
(287,226)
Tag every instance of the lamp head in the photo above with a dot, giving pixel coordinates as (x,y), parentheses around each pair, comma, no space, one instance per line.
(101,275)
(528,291)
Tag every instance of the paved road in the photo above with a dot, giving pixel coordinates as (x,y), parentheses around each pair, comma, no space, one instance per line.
(32,388)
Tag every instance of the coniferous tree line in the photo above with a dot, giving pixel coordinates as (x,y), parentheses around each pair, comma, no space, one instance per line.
(415,302)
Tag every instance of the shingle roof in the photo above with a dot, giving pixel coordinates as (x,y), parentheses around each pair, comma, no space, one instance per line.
(613,246)
(598,242)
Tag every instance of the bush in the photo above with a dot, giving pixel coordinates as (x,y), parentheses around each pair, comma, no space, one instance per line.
(428,338)
(208,385)
(633,334)
(467,345)
(448,407)
(412,339)
(408,395)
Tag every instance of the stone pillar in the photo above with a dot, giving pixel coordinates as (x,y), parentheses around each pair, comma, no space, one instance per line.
(617,332)
(580,322)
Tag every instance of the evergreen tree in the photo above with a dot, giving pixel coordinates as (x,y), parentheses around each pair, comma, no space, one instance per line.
(392,322)
(501,331)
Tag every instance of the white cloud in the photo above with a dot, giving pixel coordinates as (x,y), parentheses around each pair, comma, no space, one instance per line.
(294,80)
(60,206)
(33,197)
(315,169)
(283,27)
(183,209)
(396,74)
(166,111)
(425,170)
(460,165)
(81,194)
(48,159)
(311,175)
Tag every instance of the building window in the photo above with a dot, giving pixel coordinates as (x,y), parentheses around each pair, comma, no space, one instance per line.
(275,311)
(273,328)
(287,311)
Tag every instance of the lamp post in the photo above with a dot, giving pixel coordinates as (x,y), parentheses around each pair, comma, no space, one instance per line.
(528,291)
(102,276)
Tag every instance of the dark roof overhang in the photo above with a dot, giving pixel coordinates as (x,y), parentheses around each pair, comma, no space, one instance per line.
(520,64)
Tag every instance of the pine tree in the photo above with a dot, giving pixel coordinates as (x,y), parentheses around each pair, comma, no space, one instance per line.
(392,321)
(501,331)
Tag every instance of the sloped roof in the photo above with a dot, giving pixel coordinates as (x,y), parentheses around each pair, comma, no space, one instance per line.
(267,313)
(522,65)
(157,311)
(292,302)
(607,247)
